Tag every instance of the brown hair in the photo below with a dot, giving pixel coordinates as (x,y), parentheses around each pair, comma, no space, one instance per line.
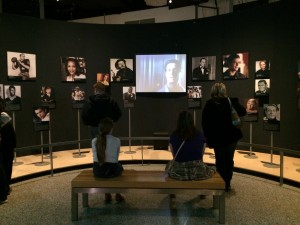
(218,90)
(99,87)
(104,128)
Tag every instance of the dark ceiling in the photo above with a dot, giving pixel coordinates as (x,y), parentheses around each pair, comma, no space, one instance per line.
(78,9)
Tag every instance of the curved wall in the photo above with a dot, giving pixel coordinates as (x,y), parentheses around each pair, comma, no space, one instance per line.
(271,32)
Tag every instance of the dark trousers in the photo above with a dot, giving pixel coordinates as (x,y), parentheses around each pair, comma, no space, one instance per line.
(3,184)
(224,161)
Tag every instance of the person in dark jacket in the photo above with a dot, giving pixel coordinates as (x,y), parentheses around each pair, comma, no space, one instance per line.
(7,146)
(220,133)
(99,106)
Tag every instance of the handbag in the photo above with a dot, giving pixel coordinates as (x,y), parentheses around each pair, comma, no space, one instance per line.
(236,120)
(169,165)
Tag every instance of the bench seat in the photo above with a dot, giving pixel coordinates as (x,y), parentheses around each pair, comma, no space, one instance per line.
(151,182)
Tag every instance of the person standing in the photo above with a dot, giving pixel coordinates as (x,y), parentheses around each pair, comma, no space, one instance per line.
(23,64)
(7,145)
(99,106)
(220,133)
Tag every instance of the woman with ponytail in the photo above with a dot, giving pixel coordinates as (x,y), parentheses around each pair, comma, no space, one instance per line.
(106,149)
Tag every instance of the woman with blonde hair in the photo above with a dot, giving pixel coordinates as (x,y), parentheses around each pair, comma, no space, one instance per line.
(220,132)
(106,149)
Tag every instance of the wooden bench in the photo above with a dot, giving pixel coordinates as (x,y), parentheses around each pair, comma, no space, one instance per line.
(152,182)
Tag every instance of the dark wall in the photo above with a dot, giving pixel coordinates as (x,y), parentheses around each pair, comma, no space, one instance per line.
(271,32)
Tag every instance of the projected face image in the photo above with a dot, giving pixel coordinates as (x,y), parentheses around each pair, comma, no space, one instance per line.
(172,73)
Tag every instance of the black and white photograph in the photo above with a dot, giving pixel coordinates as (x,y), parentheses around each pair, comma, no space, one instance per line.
(21,66)
(194,94)
(48,96)
(104,78)
(13,98)
(251,105)
(129,96)
(271,117)
(41,118)
(262,87)
(78,96)
(73,69)
(161,73)
(262,69)
(236,66)
(121,70)
(203,68)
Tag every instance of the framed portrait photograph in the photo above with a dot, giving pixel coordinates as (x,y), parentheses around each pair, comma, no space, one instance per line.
(13,99)
(21,66)
(235,66)
(194,94)
(129,96)
(73,69)
(104,78)
(271,119)
(121,70)
(251,105)
(48,96)
(262,87)
(41,118)
(204,68)
(262,69)
(78,96)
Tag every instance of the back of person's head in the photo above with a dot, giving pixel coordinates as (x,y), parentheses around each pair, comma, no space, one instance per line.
(218,90)
(104,128)
(185,126)
(99,87)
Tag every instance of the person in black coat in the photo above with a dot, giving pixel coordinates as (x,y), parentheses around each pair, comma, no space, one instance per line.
(220,133)
(99,106)
(7,146)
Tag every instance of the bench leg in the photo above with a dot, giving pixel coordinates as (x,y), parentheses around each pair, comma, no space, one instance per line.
(216,201)
(85,200)
(74,206)
(222,209)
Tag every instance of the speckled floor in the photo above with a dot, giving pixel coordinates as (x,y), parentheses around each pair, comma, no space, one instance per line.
(253,201)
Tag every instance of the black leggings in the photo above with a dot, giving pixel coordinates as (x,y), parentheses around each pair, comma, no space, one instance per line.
(224,161)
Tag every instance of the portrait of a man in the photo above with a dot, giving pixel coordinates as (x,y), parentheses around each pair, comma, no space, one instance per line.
(272,117)
(21,66)
(235,66)
(262,87)
(41,114)
(12,97)
(121,70)
(203,68)
(129,96)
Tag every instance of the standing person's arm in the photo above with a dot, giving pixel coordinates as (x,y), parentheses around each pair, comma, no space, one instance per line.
(241,110)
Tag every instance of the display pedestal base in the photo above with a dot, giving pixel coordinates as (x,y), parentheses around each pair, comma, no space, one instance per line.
(251,156)
(270,164)
(41,163)
(17,163)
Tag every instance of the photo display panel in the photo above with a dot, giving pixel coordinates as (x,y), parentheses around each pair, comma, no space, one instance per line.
(160,73)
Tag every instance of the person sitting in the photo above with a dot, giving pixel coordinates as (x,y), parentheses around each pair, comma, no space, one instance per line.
(106,149)
(187,145)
